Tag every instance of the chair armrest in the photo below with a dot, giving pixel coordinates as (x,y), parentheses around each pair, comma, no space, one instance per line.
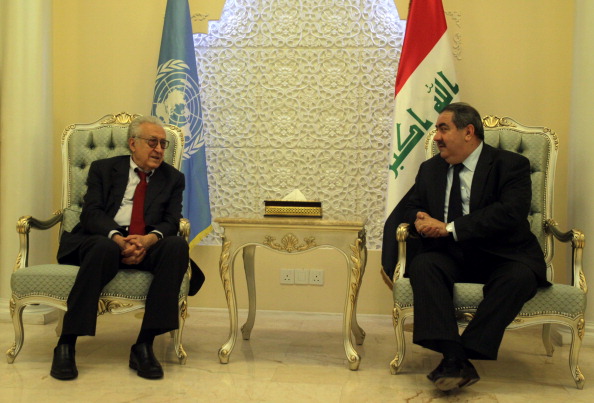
(184,229)
(402,234)
(24,226)
(578,241)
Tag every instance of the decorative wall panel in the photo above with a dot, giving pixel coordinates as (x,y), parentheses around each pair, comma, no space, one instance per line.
(299,95)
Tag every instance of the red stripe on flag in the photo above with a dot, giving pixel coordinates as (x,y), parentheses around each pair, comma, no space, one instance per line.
(425,26)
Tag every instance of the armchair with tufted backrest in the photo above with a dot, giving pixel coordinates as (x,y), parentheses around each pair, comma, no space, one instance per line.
(559,304)
(50,284)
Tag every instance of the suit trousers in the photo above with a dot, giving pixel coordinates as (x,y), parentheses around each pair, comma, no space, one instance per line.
(507,286)
(100,259)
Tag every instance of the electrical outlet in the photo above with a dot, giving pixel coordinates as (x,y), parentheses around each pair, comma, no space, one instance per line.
(287,276)
(301,276)
(316,277)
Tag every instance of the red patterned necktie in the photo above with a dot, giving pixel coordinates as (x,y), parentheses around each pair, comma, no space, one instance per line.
(137,226)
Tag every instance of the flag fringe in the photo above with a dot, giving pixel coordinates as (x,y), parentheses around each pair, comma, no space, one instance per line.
(194,242)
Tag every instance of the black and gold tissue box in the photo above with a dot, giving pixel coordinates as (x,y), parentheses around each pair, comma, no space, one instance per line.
(293,208)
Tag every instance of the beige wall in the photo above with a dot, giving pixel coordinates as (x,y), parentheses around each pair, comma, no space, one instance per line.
(516,61)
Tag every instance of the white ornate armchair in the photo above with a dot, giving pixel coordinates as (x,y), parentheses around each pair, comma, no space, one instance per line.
(50,284)
(559,304)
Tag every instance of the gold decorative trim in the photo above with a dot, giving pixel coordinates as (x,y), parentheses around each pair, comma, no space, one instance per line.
(553,135)
(19,261)
(582,282)
(183,309)
(23,225)
(356,273)
(293,211)
(224,270)
(578,240)
(66,131)
(581,328)
(108,305)
(11,353)
(579,378)
(12,306)
(224,355)
(290,243)
(492,121)
(121,118)
(363,237)
(184,228)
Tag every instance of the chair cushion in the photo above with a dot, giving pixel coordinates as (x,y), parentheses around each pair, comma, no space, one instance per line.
(48,280)
(558,299)
(56,281)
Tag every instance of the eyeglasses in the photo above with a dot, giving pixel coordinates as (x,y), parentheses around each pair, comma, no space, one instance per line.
(153,142)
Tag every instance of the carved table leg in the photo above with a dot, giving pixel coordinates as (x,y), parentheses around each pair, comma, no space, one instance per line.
(226,272)
(358,332)
(356,267)
(248,264)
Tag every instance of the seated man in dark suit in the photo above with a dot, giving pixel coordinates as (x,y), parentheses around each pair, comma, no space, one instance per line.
(130,219)
(470,205)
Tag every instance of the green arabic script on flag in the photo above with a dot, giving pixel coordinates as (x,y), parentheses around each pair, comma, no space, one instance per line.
(444,92)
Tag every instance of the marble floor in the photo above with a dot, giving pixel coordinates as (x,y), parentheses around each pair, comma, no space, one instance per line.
(291,357)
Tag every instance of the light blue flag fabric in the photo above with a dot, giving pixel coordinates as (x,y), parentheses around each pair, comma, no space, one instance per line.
(176,101)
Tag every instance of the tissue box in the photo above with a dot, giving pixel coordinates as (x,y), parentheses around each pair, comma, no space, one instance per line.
(292,208)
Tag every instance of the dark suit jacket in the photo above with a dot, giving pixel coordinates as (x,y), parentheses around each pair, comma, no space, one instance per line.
(500,200)
(107,183)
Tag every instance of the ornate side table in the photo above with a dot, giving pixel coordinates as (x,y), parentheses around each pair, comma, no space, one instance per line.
(292,235)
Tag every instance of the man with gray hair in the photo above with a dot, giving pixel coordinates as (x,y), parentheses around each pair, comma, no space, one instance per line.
(119,230)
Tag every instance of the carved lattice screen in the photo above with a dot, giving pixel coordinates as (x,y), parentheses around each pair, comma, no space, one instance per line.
(299,95)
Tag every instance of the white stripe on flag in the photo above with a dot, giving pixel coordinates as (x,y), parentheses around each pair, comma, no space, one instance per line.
(427,91)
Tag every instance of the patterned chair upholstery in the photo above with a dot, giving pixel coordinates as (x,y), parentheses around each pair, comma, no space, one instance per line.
(561,303)
(50,284)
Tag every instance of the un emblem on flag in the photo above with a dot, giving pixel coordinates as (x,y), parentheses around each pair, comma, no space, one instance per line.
(177,102)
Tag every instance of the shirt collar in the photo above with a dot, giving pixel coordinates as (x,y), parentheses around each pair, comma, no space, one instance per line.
(134,167)
(471,161)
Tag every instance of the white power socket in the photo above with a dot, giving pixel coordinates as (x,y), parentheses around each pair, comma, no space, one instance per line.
(316,277)
(287,276)
(302,276)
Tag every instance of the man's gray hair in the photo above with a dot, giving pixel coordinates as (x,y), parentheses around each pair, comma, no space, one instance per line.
(134,128)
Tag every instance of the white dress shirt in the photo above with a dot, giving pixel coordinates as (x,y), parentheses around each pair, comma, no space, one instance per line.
(466,175)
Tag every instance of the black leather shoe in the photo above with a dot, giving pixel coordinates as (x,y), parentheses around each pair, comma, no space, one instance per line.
(143,360)
(64,365)
(469,373)
(453,373)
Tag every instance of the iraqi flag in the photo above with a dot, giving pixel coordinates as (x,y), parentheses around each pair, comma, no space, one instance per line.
(425,84)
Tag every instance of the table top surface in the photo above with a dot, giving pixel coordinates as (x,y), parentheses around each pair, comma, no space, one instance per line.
(261,221)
